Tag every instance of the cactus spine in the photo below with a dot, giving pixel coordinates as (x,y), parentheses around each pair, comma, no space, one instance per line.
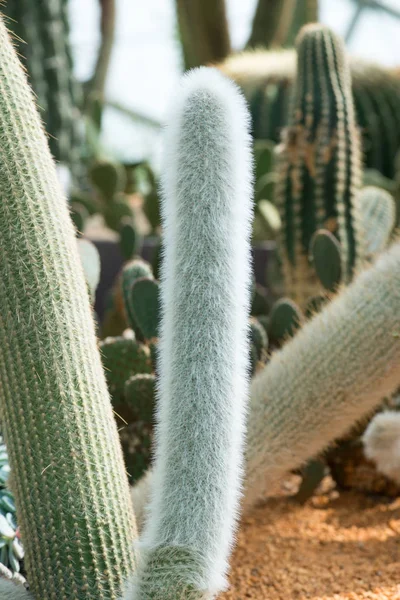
(319,161)
(203,353)
(68,476)
(336,369)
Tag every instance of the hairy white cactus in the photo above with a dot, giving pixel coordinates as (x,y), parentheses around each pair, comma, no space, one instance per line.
(381,442)
(335,370)
(204,350)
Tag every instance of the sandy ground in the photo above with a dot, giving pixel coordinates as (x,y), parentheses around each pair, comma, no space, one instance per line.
(337,547)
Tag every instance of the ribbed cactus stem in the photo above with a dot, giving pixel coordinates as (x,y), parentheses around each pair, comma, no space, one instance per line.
(320,162)
(204,343)
(68,475)
(335,370)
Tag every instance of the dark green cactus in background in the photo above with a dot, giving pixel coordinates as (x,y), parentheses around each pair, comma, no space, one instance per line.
(319,165)
(267,79)
(42,36)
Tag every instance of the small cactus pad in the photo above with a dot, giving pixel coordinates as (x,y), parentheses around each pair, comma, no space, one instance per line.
(313,473)
(265,187)
(264,157)
(108,178)
(144,300)
(259,337)
(123,357)
(378,212)
(128,238)
(116,212)
(315,305)
(270,217)
(285,318)
(133,270)
(139,395)
(325,256)
(260,304)
(79,215)
(90,259)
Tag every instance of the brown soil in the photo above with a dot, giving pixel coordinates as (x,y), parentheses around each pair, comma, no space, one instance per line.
(335,547)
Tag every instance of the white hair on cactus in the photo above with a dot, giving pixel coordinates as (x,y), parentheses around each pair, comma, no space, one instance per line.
(381,442)
(11,591)
(204,345)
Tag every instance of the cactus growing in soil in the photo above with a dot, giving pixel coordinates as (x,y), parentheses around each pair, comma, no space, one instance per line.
(319,170)
(68,477)
(203,377)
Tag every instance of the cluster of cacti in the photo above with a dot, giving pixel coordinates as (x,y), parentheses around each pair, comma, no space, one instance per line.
(330,224)
(42,36)
(267,78)
(129,362)
(68,475)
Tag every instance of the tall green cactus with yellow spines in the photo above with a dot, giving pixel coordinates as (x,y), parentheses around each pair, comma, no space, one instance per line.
(68,476)
(42,37)
(319,167)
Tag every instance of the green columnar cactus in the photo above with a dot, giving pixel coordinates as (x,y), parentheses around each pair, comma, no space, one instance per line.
(203,375)
(43,40)
(266,78)
(68,475)
(319,170)
(336,369)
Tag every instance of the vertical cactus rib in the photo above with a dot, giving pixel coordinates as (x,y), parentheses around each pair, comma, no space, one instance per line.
(334,371)
(319,160)
(204,342)
(68,474)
